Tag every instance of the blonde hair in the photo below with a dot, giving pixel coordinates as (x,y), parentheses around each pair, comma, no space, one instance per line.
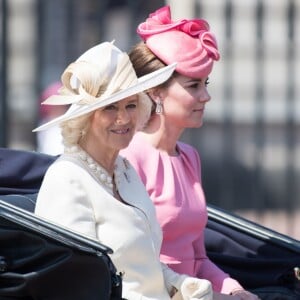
(74,129)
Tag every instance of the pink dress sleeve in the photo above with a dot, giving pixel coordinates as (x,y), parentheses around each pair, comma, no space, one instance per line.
(175,188)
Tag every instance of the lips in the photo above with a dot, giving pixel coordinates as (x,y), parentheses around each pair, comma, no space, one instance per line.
(121,131)
(200,109)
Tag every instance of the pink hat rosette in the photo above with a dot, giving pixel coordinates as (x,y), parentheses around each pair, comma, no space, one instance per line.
(189,43)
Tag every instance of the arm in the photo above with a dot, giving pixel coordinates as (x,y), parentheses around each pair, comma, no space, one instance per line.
(221,281)
(204,267)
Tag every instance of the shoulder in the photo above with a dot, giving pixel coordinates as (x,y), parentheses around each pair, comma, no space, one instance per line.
(139,152)
(64,166)
(137,147)
(66,183)
(65,171)
(189,155)
(187,149)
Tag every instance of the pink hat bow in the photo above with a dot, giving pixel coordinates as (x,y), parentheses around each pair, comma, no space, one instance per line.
(187,42)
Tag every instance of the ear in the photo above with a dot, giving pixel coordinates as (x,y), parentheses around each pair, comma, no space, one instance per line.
(155,94)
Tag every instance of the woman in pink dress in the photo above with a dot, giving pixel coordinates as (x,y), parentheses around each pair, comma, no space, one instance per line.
(169,168)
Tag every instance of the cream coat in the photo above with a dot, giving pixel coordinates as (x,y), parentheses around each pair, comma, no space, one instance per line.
(72,196)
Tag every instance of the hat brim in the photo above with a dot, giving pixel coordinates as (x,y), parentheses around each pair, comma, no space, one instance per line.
(143,83)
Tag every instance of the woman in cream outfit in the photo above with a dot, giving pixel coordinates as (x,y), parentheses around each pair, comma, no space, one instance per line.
(94,191)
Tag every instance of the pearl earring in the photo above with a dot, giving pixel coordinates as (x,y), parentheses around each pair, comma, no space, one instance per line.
(159,107)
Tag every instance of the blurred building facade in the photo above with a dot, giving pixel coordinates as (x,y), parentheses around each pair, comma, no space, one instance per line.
(250,142)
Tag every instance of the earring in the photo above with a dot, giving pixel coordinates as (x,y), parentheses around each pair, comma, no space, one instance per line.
(159,107)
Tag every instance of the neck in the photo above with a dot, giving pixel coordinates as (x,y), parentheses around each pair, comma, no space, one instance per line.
(94,167)
(161,136)
(106,160)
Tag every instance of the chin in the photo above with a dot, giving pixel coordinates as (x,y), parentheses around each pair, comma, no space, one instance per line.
(123,145)
(196,124)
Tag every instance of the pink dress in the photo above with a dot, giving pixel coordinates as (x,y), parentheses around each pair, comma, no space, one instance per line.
(174,186)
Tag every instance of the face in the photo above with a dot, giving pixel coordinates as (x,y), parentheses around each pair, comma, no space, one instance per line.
(184,101)
(113,126)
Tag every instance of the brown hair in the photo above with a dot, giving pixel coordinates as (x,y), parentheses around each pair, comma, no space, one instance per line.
(144,61)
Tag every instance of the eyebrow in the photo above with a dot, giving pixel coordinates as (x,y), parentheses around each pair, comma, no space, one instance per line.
(192,80)
(136,98)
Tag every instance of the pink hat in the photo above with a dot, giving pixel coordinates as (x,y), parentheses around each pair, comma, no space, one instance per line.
(189,43)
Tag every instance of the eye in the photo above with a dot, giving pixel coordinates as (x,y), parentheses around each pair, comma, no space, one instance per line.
(131,106)
(194,85)
(207,82)
(110,107)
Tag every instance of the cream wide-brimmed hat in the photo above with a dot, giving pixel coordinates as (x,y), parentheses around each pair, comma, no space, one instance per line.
(99,77)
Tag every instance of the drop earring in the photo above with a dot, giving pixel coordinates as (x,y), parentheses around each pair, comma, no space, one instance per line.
(159,107)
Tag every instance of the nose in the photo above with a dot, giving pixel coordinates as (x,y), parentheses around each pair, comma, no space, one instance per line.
(204,96)
(123,117)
